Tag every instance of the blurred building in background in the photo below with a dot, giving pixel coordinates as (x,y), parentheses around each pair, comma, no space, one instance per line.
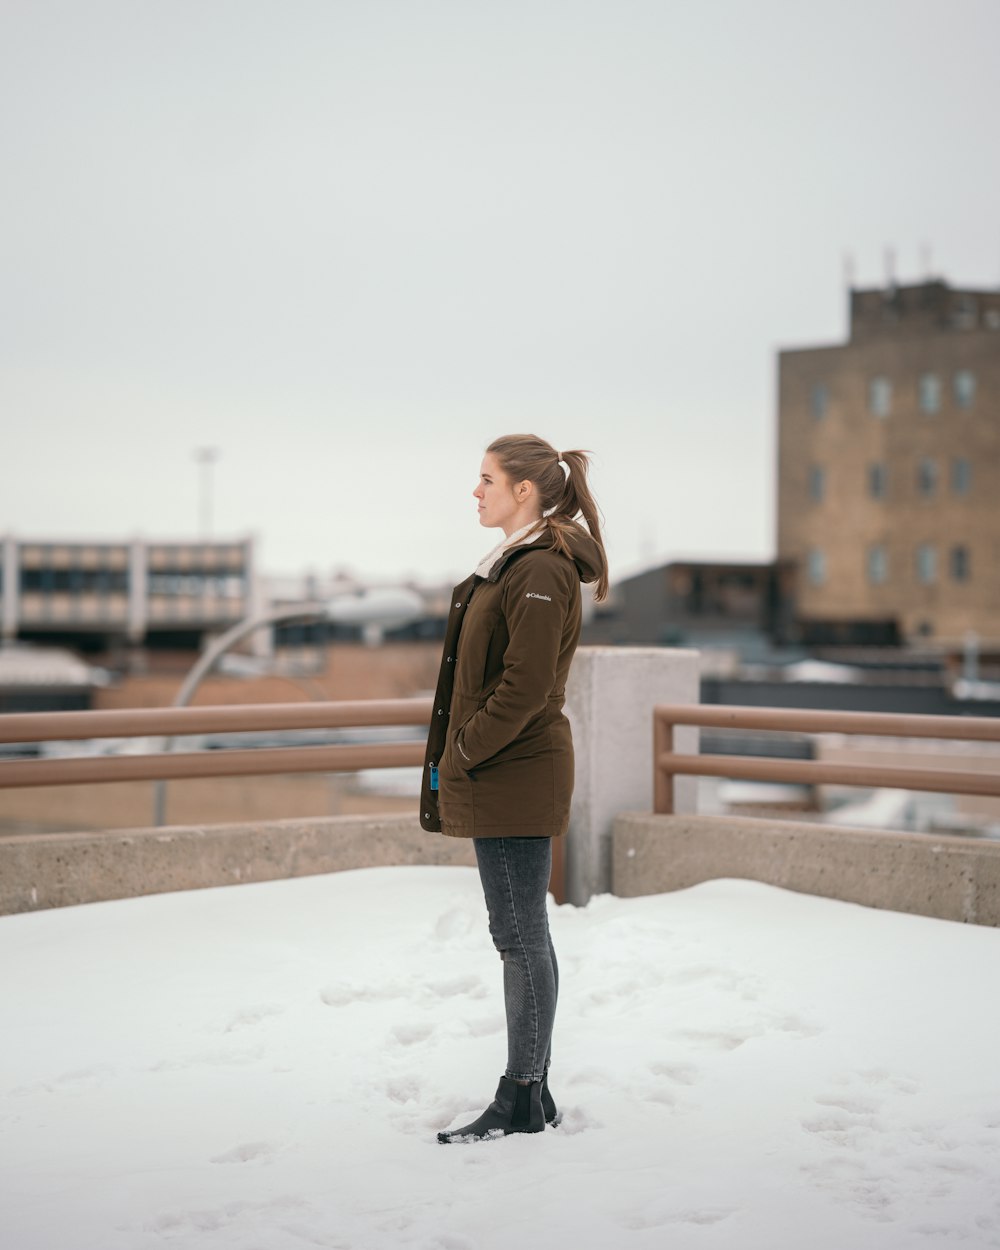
(741,606)
(889,472)
(103,597)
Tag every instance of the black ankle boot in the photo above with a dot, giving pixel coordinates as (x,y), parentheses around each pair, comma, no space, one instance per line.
(549,1110)
(515,1109)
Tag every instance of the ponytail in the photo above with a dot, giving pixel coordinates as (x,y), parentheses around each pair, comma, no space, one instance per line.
(564,491)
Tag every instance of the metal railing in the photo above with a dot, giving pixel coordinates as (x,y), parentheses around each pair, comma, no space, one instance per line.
(171,722)
(668,764)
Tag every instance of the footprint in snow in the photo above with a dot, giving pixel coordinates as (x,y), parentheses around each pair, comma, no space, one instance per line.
(854,1105)
(796,1026)
(485,1026)
(473,986)
(343,993)
(590,1076)
(411,1034)
(848,1130)
(215,1058)
(665,1097)
(576,1120)
(722,1039)
(653,1217)
(246,1152)
(249,1214)
(622,992)
(701,974)
(403,1089)
(453,924)
(940,1234)
(679,1073)
(896,1082)
(247,1016)
(78,1080)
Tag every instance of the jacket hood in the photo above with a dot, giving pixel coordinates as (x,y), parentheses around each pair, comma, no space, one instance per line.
(585,552)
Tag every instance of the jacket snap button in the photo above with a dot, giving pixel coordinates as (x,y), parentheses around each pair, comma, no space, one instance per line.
(459,604)
(427,815)
(449,659)
(440,711)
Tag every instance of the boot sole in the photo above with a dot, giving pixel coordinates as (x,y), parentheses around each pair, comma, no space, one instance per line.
(462,1139)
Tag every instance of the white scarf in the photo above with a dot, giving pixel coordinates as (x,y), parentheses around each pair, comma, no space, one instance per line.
(488,562)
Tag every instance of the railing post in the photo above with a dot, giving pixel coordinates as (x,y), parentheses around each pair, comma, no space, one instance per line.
(10,609)
(663,782)
(610,698)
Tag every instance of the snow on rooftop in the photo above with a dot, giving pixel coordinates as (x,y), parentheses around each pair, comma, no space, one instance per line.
(266,1066)
(22,665)
(821,670)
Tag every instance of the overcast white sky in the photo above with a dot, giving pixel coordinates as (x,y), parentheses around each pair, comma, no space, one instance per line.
(350,242)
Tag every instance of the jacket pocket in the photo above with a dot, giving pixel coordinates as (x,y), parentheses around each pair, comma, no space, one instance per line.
(533,741)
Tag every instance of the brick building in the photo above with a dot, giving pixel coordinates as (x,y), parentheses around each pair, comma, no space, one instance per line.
(889,470)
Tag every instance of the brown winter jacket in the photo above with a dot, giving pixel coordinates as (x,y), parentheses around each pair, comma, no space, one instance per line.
(498,738)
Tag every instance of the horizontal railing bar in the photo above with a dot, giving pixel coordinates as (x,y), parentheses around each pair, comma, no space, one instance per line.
(811,772)
(231,718)
(816,720)
(87,770)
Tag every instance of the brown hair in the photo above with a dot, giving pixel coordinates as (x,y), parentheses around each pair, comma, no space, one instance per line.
(564,496)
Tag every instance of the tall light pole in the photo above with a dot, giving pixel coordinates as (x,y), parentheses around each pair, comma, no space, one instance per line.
(206,458)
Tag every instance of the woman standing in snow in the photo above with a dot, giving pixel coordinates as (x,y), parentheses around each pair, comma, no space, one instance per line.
(499,764)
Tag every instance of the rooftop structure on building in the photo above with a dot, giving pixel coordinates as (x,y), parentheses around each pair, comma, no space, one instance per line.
(742,606)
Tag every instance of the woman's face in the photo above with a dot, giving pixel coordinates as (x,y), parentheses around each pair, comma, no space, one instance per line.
(499,504)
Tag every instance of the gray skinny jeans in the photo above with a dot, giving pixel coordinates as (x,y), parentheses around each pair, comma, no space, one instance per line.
(515,875)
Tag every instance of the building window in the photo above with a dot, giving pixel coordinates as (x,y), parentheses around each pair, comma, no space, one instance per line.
(964,313)
(929,391)
(819,400)
(927,477)
(815,566)
(959,564)
(74,581)
(817,482)
(880,396)
(965,388)
(961,476)
(878,564)
(926,564)
(878,481)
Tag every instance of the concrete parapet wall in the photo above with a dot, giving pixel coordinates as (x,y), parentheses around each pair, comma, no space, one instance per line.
(610,698)
(951,877)
(60,870)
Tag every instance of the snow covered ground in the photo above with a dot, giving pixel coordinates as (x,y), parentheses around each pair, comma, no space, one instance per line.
(265,1066)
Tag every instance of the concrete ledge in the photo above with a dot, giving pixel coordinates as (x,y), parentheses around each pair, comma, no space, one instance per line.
(60,870)
(952,878)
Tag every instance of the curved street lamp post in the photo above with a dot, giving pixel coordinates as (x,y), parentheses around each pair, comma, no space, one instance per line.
(376,610)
